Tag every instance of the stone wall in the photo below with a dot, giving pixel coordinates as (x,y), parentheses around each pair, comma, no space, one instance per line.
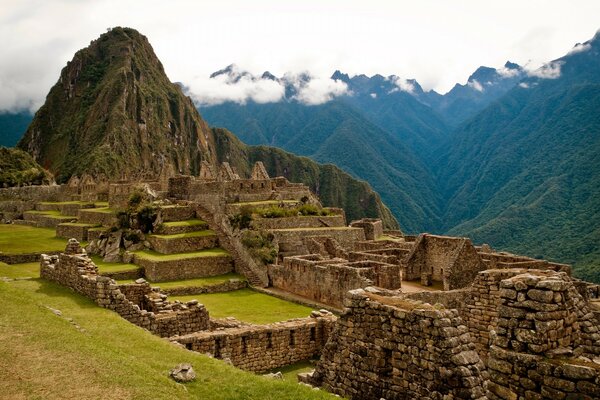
(185,268)
(546,336)
(73,230)
(384,346)
(327,280)
(346,237)
(229,286)
(182,244)
(299,222)
(149,309)
(260,348)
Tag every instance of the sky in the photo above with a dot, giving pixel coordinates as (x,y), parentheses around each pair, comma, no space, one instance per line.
(436,42)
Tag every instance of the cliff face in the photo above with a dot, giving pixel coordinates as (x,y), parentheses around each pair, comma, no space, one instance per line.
(114,112)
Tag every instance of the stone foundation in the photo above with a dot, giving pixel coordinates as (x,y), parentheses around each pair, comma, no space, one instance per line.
(260,348)
(185,268)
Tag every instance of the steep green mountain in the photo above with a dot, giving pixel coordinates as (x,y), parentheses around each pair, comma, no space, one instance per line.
(524,174)
(335,132)
(17,168)
(115,112)
(13,126)
(483,87)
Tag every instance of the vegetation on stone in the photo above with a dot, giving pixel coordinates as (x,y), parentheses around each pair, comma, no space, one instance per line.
(154,256)
(196,282)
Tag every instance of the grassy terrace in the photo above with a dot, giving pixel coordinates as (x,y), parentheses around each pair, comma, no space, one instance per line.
(113,358)
(21,239)
(197,282)
(105,210)
(104,267)
(154,256)
(324,228)
(189,222)
(249,306)
(27,270)
(186,235)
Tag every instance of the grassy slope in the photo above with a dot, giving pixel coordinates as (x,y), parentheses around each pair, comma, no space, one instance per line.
(49,358)
(249,306)
(154,256)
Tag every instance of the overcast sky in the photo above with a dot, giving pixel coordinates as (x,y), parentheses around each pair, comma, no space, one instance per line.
(437,42)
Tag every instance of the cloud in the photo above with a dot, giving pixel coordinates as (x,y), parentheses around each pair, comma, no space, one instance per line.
(508,72)
(475,85)
(524,85)
(402,84)
(318,90)
(550,70)
(373,95)
(579,48)
(235,87)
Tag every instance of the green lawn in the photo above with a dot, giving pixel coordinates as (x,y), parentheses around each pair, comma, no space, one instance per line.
(27,270)
(79,224)
(105,357)
(104,267)
(290,372)
(249,306)
(105,210)
(154,256)
(207,232)
(49,212)
(197,282)
(19,239)
(66,203)
(189,222)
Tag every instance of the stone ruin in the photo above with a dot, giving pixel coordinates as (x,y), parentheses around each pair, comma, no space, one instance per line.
(424,316)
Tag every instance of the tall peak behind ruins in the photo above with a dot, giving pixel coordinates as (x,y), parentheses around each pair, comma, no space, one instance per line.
(113,111)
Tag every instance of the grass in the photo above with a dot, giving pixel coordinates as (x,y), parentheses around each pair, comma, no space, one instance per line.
(49,212)
(154,256)
(65,203)
(197,282)
(104,267)
(108,357)
(189,222)
(14,271)
(105,210)
(186,235)
(290,372)
(249,306)
(21,239)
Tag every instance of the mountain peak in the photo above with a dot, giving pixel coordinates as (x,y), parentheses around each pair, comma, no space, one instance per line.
(114,112)
(339,76)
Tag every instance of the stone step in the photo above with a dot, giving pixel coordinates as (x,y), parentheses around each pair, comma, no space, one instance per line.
(183,242)
(65,208)
(176,212)
(98,216)
(25,222)
(177,227)
(75,230)
(199,264)
(45,220)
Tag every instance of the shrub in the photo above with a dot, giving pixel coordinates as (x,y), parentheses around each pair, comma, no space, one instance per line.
(260,245)
(242,219)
